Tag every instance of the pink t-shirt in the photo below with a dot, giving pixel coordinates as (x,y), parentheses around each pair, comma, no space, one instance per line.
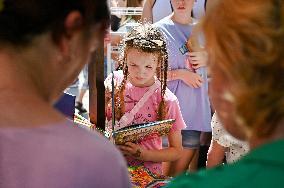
(148,113)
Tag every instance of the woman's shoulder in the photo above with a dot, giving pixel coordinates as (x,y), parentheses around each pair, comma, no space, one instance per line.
(66,144)
(89,142)
(165,22)
(61,135)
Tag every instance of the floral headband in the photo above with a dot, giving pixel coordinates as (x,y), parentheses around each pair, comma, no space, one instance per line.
(139,36)
(140,40)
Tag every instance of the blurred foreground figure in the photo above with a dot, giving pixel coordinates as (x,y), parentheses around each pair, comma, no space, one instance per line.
(245,41)
(44,44)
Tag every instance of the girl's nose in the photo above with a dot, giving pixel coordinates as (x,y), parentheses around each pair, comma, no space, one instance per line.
(180,2)
(141,71)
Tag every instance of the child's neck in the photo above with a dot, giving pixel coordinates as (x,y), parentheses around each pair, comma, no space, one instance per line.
(182,19)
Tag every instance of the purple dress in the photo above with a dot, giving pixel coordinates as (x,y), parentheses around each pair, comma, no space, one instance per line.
(194,103)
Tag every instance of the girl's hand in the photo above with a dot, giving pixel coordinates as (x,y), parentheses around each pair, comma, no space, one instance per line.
(198,59)
(133,150)
(190,78)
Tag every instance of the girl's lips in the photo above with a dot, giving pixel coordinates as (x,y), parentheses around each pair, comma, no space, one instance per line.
(181,8)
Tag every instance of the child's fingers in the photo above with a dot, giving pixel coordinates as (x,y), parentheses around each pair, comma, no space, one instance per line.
(198,77)
(124,153)
(198,82)
(196,85)
(128,147)
(124,148)
(198,56)
(195,54)
(195,58)
(130,144)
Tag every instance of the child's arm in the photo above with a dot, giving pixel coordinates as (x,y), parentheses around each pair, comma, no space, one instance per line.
(190,78)
(147,14)
(172,153)
(215,154)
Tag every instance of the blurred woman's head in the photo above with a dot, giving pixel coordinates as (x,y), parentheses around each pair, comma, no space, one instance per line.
(51,40)
(21,20)
(245,41)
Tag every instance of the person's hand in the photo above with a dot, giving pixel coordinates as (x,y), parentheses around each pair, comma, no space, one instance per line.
(133,150)
(198,59)
(190,78)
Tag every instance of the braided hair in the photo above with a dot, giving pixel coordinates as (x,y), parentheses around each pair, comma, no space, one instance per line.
(148,39)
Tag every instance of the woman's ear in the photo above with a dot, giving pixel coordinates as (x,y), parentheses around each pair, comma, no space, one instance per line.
(73,22)
(72,26)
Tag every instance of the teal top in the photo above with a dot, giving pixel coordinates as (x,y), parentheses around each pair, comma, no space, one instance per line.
(262,167)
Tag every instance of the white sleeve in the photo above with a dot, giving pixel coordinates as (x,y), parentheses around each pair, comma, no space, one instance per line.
(219,134)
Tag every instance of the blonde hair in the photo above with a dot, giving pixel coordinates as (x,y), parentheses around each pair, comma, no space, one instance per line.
(245,40)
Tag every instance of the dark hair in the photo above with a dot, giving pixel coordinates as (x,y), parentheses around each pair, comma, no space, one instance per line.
(21,20)
(149,39)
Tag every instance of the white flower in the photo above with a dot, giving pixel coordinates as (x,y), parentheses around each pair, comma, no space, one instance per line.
(158,42)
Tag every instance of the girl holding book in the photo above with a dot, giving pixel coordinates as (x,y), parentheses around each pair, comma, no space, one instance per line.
(142,84)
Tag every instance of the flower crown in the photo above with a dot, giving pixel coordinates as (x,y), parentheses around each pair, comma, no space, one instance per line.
(136,39)
(142,35)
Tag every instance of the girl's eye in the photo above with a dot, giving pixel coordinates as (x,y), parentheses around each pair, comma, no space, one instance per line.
(133,65)
(149,67)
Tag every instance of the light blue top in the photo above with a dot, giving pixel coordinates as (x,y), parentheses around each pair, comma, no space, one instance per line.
(194,103)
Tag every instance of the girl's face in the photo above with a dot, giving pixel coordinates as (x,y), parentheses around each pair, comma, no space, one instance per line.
(182,6)
(141,67)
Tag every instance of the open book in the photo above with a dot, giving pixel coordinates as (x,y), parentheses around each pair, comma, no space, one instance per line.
(137,132)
